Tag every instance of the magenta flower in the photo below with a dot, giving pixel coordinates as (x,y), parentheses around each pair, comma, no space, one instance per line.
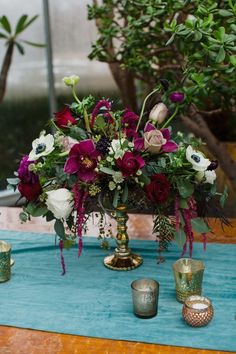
(102,105)
(129,122)
(160,138)
(82,160)
(176,97)
(24,174)
(29,185)
(130,163)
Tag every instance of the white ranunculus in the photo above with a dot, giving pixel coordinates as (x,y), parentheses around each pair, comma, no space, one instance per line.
(42,146)
(71,80)
(116,148)
(197,159)
(210,177)
(60,203)
(159,113)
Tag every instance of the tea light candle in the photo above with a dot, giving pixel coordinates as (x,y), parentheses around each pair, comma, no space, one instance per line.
(197,311)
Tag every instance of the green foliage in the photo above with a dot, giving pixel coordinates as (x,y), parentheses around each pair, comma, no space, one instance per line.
(59,229)
(22,24)
(199,225)
(180,237)
(36,209)
(164,230)
(86,103)
(190,43)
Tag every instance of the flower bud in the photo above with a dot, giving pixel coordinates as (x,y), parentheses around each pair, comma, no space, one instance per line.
(158,113)
(177,97)
(213,165)
(71,80)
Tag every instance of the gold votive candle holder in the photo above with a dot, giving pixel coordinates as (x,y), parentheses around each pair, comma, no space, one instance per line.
(188,274)
(145,297)
(197,311)
(6,262)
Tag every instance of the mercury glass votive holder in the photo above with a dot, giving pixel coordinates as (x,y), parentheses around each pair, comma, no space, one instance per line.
(197,311)
(145,294)
(188,274)
(6,262)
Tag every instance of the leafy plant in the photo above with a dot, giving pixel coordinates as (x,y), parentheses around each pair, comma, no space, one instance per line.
(189,44)
(12,40)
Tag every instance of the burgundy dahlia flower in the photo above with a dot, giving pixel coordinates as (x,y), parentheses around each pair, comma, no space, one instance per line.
(130,163)
(82,160)
(158,189)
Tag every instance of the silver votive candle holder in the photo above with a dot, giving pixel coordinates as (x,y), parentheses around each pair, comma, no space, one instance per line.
(188,274)
(197,311)
(145,293)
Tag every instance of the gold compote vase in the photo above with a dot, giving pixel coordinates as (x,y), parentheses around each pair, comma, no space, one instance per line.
(122,258)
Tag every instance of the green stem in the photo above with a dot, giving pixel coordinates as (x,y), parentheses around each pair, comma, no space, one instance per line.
(56,127)
(74,94)
(171,117)
(86,119)
(144,104)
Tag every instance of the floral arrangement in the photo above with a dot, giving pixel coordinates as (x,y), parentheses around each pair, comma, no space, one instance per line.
(99,158)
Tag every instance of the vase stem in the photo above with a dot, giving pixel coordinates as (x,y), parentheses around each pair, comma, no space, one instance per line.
(123,258)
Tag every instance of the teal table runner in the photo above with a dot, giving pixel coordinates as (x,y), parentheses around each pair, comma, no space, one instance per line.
(91,300)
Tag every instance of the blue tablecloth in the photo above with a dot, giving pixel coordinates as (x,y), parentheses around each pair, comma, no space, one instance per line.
(91,300)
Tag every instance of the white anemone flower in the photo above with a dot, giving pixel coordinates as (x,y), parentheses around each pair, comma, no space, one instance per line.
(42,146)
(197,159)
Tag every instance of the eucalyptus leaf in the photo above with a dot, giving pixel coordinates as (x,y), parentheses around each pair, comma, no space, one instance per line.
(185,188)
(106,170)
(36,210)
(224,196)
(13,181)
(59,229)
(199,225)
(180,237)
(116,198)
(125,194)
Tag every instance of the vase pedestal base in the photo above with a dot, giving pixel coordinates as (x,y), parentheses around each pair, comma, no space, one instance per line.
(117,262)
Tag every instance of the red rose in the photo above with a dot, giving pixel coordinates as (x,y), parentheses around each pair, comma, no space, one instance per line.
(158,189)
(64,117)
(30,191)
(130,163)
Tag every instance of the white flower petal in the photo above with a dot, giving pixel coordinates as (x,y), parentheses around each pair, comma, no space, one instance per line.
(210,177)
(60,203)
(199,162)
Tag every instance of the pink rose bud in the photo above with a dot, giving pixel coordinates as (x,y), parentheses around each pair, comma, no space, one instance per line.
(177,97)
(159,113)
